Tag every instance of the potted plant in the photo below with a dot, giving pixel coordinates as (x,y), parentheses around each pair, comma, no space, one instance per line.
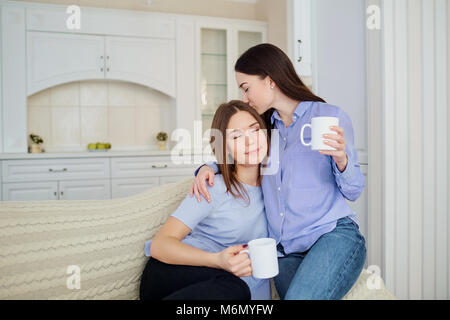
(162,140)
(35,146)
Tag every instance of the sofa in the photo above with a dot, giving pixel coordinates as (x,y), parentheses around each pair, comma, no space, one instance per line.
(94,249)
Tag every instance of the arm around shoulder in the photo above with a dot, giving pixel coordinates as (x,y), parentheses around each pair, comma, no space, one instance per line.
(213,165)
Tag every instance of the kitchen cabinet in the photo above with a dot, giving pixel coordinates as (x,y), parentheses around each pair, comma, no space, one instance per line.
(131,175)
(55,169)
(55,58)
(57,190)
(150,62)
(89,178)
(53,179)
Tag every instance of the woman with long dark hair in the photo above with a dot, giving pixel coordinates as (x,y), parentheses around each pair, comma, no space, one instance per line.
(321,251)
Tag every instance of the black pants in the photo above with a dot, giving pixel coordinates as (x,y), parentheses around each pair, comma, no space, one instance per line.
(161,281)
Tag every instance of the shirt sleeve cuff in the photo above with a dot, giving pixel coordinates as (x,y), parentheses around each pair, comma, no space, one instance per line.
(348,172)
(148,244)
(210,164)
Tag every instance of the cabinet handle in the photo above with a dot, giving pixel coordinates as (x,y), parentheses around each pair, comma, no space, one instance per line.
(102,63)
(108,65)
(299,50)
(159,167)
(52,170)
(62,193)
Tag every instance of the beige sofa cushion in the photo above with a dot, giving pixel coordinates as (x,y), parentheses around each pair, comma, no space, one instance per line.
(40,241)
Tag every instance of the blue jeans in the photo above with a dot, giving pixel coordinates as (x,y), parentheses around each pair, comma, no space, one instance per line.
(328,270)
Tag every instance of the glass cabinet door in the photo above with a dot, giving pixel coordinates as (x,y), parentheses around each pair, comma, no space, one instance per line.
(213,73)
(248,39)
(217,81)
(245,40)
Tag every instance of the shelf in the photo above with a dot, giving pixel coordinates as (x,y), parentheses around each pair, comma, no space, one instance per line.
(215,84)
(214,54)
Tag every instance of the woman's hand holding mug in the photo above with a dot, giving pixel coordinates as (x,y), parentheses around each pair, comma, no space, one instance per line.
(230,260)
(325,141)
(337,141)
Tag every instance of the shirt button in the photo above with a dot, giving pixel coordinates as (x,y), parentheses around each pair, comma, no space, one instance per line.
(279,188)
(281,214)
(284,139)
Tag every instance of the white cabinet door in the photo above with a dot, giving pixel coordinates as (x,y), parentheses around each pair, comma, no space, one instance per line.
(85,190)
(55,169)
(55,58)
(30,191)
(299,40)
(164,180)
(138,167)
(150,62)
(128,187)
(14,96)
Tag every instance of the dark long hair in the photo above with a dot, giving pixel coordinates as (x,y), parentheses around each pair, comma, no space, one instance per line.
(268,60)
(218,143)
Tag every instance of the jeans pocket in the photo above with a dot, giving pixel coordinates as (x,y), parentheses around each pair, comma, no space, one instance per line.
(352,222)
(353,226)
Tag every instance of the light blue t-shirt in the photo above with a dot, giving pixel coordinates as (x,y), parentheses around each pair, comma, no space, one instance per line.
(225,222)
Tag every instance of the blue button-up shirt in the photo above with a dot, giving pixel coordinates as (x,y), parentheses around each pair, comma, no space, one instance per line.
(306,195)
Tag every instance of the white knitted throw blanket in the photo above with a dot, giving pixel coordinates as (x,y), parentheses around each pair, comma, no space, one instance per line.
(92,249)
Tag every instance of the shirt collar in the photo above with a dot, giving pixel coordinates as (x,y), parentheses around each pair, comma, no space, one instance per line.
(299,111)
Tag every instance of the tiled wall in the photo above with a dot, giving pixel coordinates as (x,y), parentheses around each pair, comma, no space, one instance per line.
(127,115)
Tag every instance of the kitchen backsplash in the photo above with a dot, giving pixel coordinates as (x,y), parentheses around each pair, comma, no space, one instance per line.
(70,116)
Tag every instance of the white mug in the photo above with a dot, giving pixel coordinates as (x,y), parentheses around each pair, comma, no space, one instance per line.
(319,126)
(263,255)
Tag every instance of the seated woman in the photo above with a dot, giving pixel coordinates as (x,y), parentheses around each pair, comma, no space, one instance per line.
(196,253)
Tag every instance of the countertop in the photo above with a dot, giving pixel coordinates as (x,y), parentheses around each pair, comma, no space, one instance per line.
(88,154)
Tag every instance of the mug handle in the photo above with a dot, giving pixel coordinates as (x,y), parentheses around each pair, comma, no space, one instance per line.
(301,135)
(245,251)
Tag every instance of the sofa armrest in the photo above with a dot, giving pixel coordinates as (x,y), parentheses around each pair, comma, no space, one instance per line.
(47,245)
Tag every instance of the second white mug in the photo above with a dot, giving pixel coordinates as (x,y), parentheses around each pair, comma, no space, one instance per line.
(319,126)
(264,258)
